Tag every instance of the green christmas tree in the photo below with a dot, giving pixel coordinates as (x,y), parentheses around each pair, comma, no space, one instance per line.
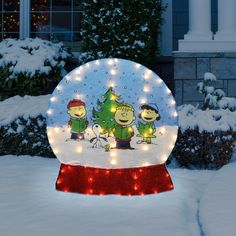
(105,115)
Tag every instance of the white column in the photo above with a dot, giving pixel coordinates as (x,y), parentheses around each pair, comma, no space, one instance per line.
(226,20)
(24,19)
(199,20)
(166,42)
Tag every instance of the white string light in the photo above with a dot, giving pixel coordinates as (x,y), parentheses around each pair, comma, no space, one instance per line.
(79,149)
(112,154)
(147,74)
(56,129)
(59,87)
(110,62)
(55,150)
(174,114)
(49,111)
(53,99)
(145,148)
(111,84)
(87,65)
(113,161)
(172,102)
(143,101)
(146,89)
(113,72)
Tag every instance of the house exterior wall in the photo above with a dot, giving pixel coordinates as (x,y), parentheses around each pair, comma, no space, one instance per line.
(191,65)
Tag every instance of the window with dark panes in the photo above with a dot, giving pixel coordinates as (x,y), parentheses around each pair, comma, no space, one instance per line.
(56,19)
(9,18)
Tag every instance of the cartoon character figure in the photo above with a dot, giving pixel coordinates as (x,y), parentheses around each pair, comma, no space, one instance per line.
(123,130)
(149,114)
(78,122)
(97,140)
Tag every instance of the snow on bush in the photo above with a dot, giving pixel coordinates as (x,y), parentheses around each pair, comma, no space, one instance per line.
(206,137)
(23,126)
(31,66)
(214,98)
(191,117)
(25,107)
(28,56)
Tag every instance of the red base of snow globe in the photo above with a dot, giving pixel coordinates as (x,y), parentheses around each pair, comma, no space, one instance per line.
(127,181)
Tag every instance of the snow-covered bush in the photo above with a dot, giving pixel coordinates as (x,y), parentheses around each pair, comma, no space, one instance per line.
(123,29)
(23,126)
(214,98)
(206,138)
(31,66)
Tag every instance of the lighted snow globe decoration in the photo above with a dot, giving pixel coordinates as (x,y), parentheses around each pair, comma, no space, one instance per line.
(112,123)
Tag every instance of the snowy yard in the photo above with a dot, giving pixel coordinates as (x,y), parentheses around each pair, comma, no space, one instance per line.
(202,203)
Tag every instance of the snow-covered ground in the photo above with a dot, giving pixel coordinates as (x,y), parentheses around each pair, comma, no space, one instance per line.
(30,205)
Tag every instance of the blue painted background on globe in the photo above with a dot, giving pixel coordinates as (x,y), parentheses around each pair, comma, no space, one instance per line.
(134,83)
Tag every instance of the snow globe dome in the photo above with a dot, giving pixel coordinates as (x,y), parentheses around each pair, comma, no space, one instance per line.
(111,115)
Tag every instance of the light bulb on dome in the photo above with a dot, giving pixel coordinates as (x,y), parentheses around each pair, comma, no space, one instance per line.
(49,111)
(137,66)
(174,114)
(78,78)
(97,62)
(113,161)
(168,91)
(112,154)
(87,65)
(147,74)
(110,62)
(111,84)
(49,133)
(113,72)
(79,149)
(59,87)
(172,102)
(143,101)
(56,151)
(164,157)
(51,141)
(159,81)
(53,99)
(146,89)
(145,148)
(56,129)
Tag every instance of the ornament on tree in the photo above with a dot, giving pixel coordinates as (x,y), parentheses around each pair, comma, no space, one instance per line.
(112,123)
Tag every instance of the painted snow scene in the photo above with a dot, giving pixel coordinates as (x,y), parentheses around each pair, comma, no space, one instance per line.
(112,113)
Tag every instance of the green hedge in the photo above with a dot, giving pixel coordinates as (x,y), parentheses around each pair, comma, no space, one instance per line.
(205,150)
(32,66)
(25,137)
